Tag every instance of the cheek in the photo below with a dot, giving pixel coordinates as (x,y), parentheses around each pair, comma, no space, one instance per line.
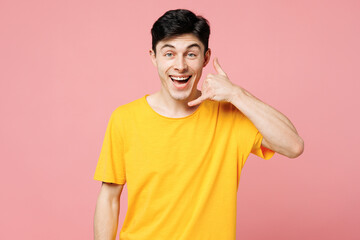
(163,67)
(199,69)
(198,66)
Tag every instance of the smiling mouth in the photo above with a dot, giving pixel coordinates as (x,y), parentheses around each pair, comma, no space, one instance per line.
(180,79)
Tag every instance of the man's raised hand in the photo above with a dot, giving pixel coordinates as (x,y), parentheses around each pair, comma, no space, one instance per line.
(216,87)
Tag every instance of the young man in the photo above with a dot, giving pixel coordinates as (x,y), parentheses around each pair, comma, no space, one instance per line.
(181,150)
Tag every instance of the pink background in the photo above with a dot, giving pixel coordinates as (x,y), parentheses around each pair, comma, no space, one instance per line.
(66,65)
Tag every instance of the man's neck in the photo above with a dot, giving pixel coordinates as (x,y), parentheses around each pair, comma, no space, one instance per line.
(162,103)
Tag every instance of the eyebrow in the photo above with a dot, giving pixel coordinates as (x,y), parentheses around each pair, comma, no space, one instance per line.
(190,46)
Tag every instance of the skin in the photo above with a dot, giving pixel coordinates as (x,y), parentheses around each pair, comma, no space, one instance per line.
(107,211)
(279,134)
(179,56)
(174,57)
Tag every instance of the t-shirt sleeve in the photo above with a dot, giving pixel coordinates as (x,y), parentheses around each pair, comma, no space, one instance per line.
(111,166)
(260,150)
(250,140)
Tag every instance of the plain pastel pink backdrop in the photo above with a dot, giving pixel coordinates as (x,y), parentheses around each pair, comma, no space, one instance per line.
(66,65)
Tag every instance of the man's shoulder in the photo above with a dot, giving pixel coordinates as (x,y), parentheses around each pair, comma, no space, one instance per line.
(130,107)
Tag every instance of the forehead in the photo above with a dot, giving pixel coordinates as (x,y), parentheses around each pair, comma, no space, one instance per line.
(180,42)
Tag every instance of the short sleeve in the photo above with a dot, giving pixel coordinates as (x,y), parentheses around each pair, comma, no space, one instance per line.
(260,150)
(250,140)
(111,166)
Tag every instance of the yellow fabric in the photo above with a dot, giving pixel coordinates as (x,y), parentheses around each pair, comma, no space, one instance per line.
(182,174)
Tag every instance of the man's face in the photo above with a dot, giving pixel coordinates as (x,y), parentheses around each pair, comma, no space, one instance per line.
(179,61)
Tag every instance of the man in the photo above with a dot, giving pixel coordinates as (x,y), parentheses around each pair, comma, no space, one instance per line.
(181,150)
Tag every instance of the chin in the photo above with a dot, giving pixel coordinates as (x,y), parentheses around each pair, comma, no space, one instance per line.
(180,96)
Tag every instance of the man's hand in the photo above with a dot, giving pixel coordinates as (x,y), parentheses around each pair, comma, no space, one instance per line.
(279,134)
(216,87)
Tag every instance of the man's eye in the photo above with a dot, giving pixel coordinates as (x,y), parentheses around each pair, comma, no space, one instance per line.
(168,54)
(191,55)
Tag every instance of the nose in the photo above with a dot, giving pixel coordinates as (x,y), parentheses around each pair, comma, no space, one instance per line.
(180,64)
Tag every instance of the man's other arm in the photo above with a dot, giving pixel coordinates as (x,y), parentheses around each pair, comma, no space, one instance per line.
(279,134)
(107,211)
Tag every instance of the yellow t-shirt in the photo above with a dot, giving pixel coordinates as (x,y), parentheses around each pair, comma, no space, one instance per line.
(182,174)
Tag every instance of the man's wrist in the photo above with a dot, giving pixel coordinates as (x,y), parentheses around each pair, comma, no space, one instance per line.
(236,94)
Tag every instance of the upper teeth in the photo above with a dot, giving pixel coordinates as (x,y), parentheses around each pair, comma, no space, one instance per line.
(179,78)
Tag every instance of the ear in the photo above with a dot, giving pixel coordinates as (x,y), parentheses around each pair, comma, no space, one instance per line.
(207,57)
(153,57)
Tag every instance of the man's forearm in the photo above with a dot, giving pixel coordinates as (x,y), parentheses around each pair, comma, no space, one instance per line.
(278,131)
(106,218)
(279,134)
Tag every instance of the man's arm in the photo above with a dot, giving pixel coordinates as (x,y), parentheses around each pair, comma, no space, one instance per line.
(279,134)
(107,211)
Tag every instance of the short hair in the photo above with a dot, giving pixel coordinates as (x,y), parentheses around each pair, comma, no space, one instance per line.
(177,22)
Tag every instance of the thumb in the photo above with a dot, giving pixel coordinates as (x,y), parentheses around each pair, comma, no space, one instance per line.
(218,67)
